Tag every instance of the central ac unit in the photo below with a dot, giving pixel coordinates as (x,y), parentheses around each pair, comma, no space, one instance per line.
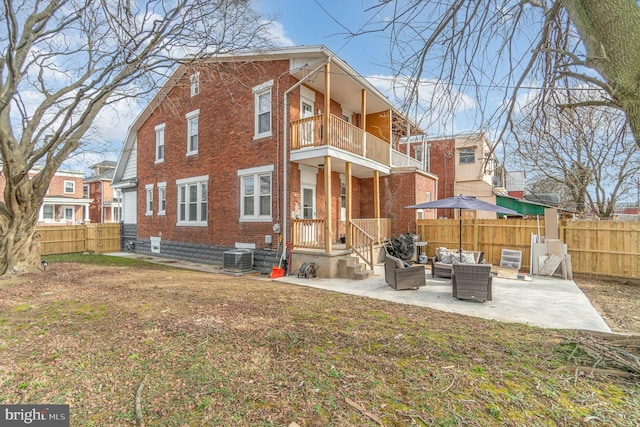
(237,261)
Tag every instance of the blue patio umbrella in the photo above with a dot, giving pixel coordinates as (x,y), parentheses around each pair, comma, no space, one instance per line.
(463,202)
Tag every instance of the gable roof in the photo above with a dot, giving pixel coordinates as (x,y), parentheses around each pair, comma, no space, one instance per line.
(302,60)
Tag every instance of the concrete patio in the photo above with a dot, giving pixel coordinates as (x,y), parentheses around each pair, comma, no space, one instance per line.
(547,302)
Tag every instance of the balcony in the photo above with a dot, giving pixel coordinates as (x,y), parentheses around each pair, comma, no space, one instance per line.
(309,133)
(361,148)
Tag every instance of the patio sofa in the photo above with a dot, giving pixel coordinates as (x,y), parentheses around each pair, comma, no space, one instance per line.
(400,276)
(441,263)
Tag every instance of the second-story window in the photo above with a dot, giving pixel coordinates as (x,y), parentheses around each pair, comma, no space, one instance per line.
(195,83)
(69,187)
(192,132)
(262,94)
(467,155)
(160,143)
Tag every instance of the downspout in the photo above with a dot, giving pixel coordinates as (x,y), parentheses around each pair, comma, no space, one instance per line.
(285,145)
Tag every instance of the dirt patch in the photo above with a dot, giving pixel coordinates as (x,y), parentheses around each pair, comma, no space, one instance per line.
(617,301)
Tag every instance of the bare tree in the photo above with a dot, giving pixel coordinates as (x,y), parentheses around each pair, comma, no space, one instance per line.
(510,45)
(587,152)
(63,61)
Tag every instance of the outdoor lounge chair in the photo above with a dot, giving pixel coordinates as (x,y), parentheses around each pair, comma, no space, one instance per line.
(442,261)
(401,277)
(471,281)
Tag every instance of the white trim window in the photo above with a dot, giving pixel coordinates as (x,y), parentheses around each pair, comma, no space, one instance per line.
(69,187)
(467,155)
(192,132)
(195,83)
(69,213)
(262,105)
(148,201)
(255,194)
(47,212)
(160,143)
(192,201)
(162,198)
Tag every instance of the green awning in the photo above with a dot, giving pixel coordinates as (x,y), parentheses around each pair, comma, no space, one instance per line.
(524,207)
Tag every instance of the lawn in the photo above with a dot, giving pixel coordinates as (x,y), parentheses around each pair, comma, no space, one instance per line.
(125,342)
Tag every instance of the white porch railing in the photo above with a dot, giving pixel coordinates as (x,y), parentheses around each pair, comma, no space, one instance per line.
(401,160)
(308,233)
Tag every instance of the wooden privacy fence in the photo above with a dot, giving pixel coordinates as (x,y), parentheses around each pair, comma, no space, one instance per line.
(597,248)
(67,239)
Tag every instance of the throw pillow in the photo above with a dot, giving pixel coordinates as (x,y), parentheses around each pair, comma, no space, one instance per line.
(468,258)
(447,257)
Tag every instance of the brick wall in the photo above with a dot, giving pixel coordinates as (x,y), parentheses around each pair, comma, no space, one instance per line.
(226,144)
(397,191)
(442,163)
(95,193)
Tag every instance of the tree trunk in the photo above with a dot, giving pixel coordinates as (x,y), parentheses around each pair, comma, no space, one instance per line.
(20,249)
(19,243)
(609,31)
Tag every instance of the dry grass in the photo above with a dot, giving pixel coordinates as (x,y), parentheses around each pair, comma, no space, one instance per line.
(209,349)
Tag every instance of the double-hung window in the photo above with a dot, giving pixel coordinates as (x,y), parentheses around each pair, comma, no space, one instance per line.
(262,100)
(192,201)
(255,194)
(467,155)
(69,187)
(192,132)
(160,143)
(162,198)
(47,212)
(148,199)
(195,83)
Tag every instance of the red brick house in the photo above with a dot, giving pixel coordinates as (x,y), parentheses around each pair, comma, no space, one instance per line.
(64,203)
(107,203)
(249,150)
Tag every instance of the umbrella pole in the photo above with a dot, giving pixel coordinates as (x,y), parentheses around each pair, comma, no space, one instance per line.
(460,235)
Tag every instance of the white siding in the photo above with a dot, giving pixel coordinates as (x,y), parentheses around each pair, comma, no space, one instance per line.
(129,206)
(131,169)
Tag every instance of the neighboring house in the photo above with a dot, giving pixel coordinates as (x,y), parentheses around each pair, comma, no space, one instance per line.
(64,203)
(464,165)
(107,202)
(248,150)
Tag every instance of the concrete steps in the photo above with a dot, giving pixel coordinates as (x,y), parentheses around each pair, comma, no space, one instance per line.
(349,267)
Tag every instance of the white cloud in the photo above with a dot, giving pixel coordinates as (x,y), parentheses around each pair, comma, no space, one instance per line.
(277,34)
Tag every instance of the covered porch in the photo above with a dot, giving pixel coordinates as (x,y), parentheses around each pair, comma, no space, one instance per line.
(342,140)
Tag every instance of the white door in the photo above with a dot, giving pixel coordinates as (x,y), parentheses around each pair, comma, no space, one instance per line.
(308,212)
(306,128)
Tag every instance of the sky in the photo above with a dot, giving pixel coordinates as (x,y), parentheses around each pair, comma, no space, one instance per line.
(296,22)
